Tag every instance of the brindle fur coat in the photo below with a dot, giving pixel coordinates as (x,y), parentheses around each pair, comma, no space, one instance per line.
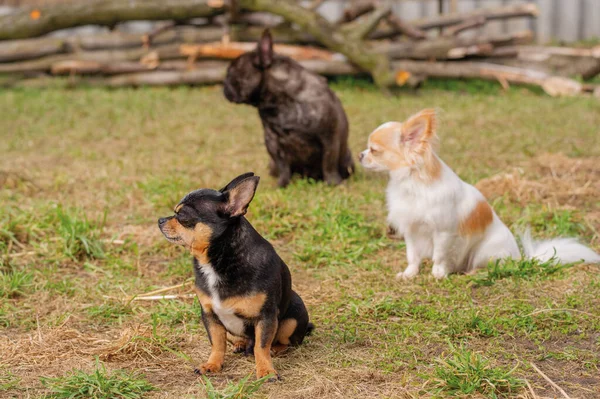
(306,129)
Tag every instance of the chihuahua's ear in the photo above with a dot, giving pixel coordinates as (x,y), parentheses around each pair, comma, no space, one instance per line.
(239,196)
(265,49)
(419,129)
(235,181)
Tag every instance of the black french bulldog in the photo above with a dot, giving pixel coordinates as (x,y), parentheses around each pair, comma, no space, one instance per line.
(306,129)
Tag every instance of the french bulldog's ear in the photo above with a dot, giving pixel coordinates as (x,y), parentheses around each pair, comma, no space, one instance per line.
(265,49)
(239,197)
(235,181)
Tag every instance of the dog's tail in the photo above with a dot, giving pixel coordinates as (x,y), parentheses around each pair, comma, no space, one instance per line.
(562,250)
(309,329)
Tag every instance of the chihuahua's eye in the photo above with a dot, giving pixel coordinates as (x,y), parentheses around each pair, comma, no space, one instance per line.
(185,219)
(373,150)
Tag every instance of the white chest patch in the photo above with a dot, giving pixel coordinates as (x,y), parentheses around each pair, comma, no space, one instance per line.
(232,323)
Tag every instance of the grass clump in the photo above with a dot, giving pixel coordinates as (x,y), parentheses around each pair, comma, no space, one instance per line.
(243,389)
(80,236)
(109,312)
(14,283)
(8,380)
(553,223)
(100,384)
(338,236)
(517,269)
(466,372)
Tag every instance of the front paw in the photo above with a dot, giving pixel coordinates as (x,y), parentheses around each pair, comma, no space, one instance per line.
(439,272)
(208,368)
(283,181)
(264,372)
(333,179)
(408,274)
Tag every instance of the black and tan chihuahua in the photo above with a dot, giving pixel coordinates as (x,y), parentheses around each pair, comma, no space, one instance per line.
(243,286)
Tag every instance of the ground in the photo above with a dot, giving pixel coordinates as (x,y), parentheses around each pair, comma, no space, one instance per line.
(85,174)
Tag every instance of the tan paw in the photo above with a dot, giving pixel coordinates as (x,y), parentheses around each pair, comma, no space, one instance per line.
(260,373)
(207,368)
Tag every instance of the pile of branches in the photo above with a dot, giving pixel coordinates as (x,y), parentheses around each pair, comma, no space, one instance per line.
(193,41)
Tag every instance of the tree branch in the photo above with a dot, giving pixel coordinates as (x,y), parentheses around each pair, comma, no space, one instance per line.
(405,28)
(357,10)
(361,28)
(474,22)
(355,50)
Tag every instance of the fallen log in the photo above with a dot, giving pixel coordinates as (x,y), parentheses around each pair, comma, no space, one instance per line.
(174,73)
(406,72)
(233,50)
(505,12)
(449,47)
(17,50)
(44,64)
(464,20)
(552,85)
(30,49)
(208,74)
(118,40)
(74,67)
(36,21)
(563,61)
(331,68)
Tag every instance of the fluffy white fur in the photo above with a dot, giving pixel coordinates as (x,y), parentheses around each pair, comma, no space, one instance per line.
(431,207)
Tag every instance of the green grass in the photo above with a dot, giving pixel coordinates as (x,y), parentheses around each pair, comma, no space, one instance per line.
(552,223)
(109,312)
(80,236)
(8,380)
(466,372)
(242,389)
(99,384)
(518,269)
(88,172)
(14,283)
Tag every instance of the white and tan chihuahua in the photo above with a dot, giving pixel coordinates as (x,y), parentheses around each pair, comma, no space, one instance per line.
(440,216)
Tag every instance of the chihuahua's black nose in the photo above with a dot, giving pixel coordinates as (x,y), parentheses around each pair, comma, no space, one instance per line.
(162,221)
(361,156)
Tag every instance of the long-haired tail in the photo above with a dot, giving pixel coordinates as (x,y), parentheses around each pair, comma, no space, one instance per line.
(563,250)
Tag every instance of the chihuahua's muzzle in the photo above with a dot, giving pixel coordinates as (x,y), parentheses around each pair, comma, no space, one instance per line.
(167,232)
